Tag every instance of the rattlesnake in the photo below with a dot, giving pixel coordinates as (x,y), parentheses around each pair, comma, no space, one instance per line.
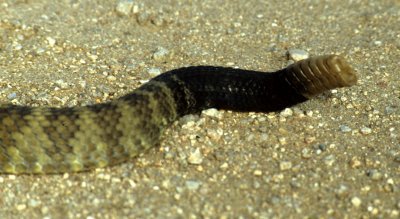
(57,140)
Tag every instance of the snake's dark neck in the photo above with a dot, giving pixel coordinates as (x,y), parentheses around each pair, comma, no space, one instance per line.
(201,87)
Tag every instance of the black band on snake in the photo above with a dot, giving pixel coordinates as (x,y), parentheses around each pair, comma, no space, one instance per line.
(57,140)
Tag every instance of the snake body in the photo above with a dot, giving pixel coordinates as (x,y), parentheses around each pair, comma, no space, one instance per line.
(56,140)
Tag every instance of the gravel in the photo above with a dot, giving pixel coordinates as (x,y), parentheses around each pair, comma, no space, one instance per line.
(124,7)
(297,54)
(345,128)
(242,165)
(160,54)
(154,72)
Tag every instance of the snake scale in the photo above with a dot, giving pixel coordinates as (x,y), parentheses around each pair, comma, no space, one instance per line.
(39,140)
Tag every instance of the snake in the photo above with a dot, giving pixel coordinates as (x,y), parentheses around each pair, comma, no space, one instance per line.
(50,140)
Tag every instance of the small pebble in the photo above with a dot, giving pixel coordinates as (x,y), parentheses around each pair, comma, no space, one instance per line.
(51,41)
(355,162)
(356,201)
(160,54)
(21,207)
(285,165)
(111,78)
(195,157)
(390,110)
(224,166)
(60,83)
(306,153)
(282,140)
(135,9)
(40,51)
(45,210)
(143,17)
(215,135)
(365,130)
(295,184)
(322,147)
(193,184)
(17,46)
(212,112)
(157,20)
(309,139)
(169,155)
(286,112)
(342,191)
(92,57)
(374,174)
(298,112)
(124,7)
(264,137)
(329,160)
(257,172)
(345,128)
(154,72)
(12,96)
(297,54)
(377,43)
(33,203)
(189,120)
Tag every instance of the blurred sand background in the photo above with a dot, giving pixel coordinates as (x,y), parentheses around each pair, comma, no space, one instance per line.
(337,156)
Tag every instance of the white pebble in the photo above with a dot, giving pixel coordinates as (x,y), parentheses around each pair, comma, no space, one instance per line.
(21,207)
(160,54)
(33,203)
(224,165)
(12,96)
(124,7)
(375,174)
(154,72)
(286,112)
(285,165)
(282,140)
(92,57)
(378,43)
(345,128)
(195,157)
(51,41)
(329,160)
(40,50)
(309,113)
(17,46)
(306,153)
(365,130)
(356,201)
(212,112)
(111,78)
(215,135)
(193,184)
(257,172)
(264,137)
(61,84)
(298,112)
(135,9)
(297,54)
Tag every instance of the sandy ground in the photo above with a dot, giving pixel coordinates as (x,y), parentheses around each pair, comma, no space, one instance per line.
(336,156)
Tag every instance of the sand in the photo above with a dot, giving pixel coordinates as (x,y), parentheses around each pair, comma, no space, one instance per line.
(336,156)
